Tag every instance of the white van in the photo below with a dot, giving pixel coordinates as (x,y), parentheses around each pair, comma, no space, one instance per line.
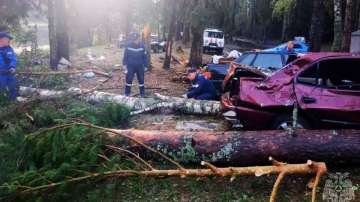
(213,40)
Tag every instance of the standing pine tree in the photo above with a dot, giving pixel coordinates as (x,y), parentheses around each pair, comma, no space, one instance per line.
(316,28)
(336,46)
(346,37)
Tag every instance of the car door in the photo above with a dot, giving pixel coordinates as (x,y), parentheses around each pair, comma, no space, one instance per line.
(328,92)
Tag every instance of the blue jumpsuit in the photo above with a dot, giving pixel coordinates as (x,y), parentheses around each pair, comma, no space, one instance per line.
(202,89)
(8,82)
(136,61)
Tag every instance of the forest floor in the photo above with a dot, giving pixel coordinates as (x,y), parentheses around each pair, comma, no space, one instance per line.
(158,80)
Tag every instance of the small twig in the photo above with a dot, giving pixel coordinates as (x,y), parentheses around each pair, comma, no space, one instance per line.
(132,154)
(212,167)
(275,162)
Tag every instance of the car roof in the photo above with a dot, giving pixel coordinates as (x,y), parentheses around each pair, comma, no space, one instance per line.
(268,52)
(311,57)
(212,30)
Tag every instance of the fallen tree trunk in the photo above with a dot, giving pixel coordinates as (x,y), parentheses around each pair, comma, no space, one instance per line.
(252,147)
(137,105)
(64,73)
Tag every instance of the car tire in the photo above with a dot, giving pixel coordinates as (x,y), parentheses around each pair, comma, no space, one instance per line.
(284,122)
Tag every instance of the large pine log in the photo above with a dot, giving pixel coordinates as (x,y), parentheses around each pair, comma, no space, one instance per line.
(137,105)
(252,147)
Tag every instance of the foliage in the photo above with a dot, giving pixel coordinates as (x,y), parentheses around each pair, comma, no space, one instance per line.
(282,6)
(33,159)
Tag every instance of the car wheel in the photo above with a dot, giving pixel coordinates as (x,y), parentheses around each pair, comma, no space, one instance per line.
(285,122)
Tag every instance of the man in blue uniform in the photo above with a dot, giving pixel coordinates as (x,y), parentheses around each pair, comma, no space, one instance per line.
(202,88)
(135,61)
(289,48)
(8,81)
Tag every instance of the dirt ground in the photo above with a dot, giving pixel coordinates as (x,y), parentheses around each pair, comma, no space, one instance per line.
(109,59)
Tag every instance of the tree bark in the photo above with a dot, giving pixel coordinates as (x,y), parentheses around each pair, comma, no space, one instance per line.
(186,35)
(170,37)
(346,38)
(58,32)
(147,42)
(196,47)
(316,28)
(336,46)
(52,35)
(252,147)
(137,105)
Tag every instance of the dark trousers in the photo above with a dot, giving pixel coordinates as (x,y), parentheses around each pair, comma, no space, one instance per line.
(205,96)
(8,84)
(131,71)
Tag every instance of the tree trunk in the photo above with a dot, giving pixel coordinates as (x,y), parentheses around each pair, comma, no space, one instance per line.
(336,46)
(186,34)
(58,32)
(137,105)
(52,35)
(196,48)
(317,22)
(346,38)
(170,37)
(286,22)
(147,42)
(251,147)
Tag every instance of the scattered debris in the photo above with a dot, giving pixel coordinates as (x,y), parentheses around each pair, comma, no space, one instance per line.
(89,75)
(63,64)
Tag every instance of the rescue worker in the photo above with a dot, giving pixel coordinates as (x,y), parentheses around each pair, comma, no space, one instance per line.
(8,82)
(289,48)
(135,62)
(202,88)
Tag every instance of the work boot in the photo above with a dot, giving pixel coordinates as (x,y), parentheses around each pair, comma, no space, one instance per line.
(142,91)
(127,91)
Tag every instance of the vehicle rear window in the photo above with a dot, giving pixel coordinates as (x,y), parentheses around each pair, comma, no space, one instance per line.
(246,59)
(268,61)
(218,35)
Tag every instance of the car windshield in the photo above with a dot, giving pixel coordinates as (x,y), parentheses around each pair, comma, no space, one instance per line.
(218,35)
(246,59)
(268,61)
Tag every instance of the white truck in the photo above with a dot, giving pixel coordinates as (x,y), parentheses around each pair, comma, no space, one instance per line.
(213,40)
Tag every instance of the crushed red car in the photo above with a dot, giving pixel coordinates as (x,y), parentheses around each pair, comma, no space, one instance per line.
(322,90)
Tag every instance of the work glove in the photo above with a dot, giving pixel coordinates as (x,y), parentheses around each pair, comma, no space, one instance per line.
(125,70)
(184,96)
(12,70)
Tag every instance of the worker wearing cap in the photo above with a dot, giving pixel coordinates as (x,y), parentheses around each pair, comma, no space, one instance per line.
(289,48)
(135,61)
(201,87)
(8,82)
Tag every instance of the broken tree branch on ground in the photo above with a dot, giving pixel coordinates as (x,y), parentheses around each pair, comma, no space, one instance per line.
(137,105)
